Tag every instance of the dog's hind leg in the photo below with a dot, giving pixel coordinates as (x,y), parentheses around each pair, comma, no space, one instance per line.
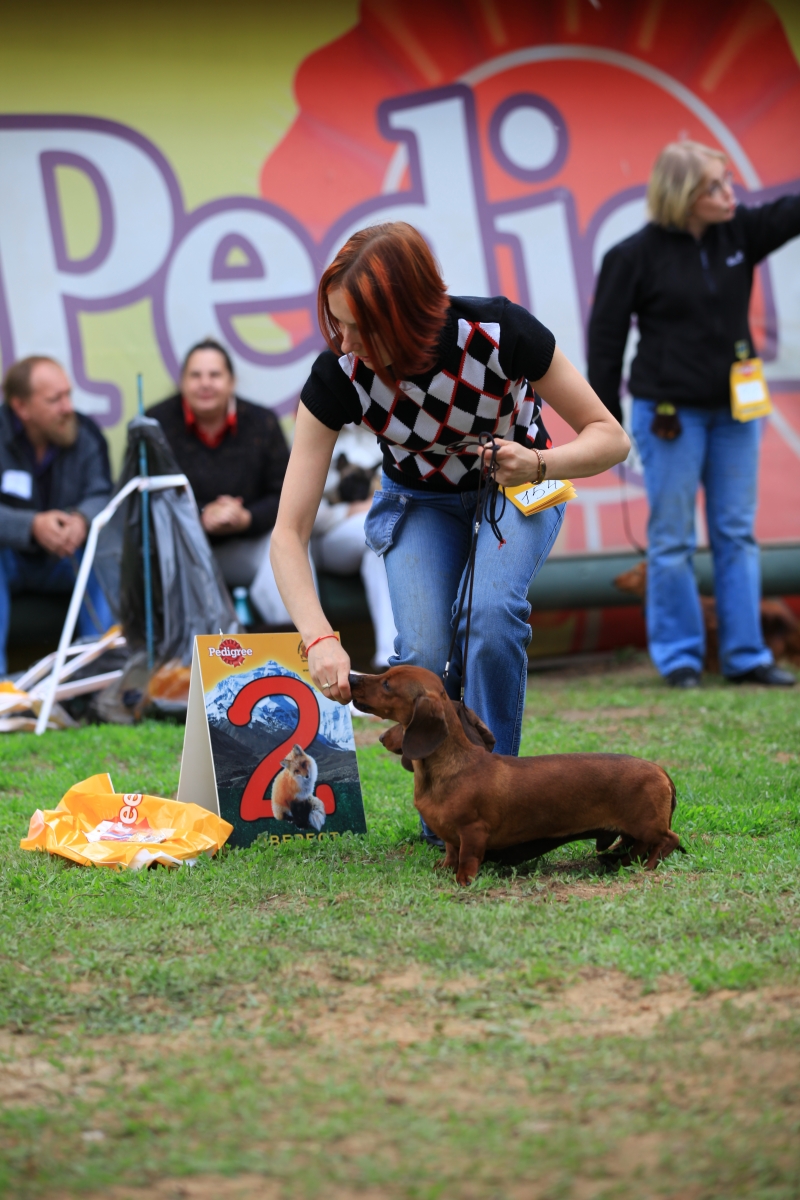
(471,852)
(668,843)
(652,850)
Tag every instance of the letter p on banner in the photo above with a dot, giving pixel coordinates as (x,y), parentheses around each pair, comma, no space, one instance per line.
(45,287)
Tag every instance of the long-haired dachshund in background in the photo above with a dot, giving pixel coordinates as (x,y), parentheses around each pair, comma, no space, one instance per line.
(486,805)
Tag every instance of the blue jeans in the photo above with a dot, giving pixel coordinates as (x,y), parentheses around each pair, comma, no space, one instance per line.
(722,454)
(46,573)
(424,540)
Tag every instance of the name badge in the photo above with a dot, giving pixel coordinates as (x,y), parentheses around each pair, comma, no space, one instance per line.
(17,483)
(749,391)
(531,498)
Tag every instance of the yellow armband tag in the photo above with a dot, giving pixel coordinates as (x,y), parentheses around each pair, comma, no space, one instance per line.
(749,391)
(534,497)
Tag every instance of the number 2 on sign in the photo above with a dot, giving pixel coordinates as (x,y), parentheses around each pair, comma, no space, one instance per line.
(254,805)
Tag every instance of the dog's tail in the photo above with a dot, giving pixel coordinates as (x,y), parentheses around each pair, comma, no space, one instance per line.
(673,806)
(673,797)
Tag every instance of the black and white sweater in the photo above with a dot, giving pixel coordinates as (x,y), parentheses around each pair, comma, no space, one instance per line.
(429,425)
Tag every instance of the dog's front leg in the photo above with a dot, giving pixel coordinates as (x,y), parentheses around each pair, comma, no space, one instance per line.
(471,852)
(450,860)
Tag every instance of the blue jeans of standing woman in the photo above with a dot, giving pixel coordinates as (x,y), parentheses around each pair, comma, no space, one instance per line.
(424,539)
(722,455)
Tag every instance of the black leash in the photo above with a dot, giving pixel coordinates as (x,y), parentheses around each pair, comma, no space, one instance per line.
(486,506)
(626,518)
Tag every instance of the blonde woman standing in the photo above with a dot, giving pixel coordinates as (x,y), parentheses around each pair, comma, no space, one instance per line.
(687,276)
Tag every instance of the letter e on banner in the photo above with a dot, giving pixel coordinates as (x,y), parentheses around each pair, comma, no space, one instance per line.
(240,258)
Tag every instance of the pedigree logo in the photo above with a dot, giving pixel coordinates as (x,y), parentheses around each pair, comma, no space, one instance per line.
(517,137)
(232,653)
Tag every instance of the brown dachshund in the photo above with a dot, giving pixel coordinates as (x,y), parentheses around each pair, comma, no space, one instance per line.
(486,805)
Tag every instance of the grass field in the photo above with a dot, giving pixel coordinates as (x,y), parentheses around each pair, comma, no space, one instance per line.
(339,1020)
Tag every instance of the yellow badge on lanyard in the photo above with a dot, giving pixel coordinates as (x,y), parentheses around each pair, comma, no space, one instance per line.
(749,391)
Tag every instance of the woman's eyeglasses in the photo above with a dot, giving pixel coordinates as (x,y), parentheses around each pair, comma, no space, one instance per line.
(716,188)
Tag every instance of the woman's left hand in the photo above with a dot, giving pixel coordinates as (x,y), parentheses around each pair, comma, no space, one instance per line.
(601,441)
(515,464)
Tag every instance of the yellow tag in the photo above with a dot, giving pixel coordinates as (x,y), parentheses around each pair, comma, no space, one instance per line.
(749,391)
(534,497)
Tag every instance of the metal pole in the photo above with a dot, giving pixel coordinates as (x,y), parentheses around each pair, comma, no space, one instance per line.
(148,576)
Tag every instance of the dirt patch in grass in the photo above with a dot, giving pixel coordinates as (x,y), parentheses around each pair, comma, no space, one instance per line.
(204,1187)
(241,1187)
(415,1007)
(28,1078)
(728,1081)
(541,888)
(402,1009)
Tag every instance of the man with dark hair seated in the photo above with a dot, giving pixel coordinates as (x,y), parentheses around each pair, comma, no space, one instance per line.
(234,455)
(54,478)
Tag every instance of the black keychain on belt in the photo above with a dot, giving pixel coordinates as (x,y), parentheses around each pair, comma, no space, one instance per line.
(666,423)
(486,506)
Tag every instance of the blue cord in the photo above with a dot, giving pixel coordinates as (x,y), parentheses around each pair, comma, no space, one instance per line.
(148,577)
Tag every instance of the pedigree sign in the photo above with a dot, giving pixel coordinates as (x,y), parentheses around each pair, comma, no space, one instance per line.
(517,138)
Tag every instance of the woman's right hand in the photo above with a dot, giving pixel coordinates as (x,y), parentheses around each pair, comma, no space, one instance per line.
(329,663)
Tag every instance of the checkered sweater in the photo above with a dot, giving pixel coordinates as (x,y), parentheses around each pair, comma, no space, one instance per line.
(428,426)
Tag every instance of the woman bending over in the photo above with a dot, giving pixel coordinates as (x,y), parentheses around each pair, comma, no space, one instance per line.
(429,373)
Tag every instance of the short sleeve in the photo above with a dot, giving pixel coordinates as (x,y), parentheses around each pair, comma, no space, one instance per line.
(526,345)
(329,395)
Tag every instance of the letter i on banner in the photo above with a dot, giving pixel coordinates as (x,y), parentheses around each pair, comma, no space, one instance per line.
(264,748)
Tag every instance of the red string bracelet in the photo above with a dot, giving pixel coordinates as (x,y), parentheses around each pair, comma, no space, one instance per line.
(321,638)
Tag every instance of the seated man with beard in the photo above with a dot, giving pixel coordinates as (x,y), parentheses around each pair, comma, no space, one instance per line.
(54,478)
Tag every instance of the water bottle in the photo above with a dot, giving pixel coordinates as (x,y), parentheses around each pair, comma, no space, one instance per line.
(241,605)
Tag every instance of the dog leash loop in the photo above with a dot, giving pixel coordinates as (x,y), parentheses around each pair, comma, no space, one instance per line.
(486,506)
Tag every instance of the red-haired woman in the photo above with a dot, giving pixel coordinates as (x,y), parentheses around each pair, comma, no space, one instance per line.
(429,373)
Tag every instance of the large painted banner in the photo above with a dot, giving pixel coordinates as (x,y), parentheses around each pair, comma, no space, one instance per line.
(517,137)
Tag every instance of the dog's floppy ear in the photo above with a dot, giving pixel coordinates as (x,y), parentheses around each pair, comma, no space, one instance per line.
(427,729)
(392,740)
(475,729)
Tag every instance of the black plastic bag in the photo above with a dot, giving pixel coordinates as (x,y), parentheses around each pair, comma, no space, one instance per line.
(189,594)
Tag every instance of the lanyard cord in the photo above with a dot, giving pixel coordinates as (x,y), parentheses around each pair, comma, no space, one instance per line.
(487,492)
(626,517)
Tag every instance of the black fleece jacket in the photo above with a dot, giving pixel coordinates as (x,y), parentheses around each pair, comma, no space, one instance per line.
(79,478)
(250,462)
(690,299)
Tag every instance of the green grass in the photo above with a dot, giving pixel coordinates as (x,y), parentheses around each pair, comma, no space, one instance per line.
(338,1018)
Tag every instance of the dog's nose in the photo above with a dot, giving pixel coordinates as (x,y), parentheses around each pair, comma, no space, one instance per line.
(353,680)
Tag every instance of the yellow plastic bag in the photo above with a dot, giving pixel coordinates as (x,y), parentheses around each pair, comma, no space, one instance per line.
(95,824)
